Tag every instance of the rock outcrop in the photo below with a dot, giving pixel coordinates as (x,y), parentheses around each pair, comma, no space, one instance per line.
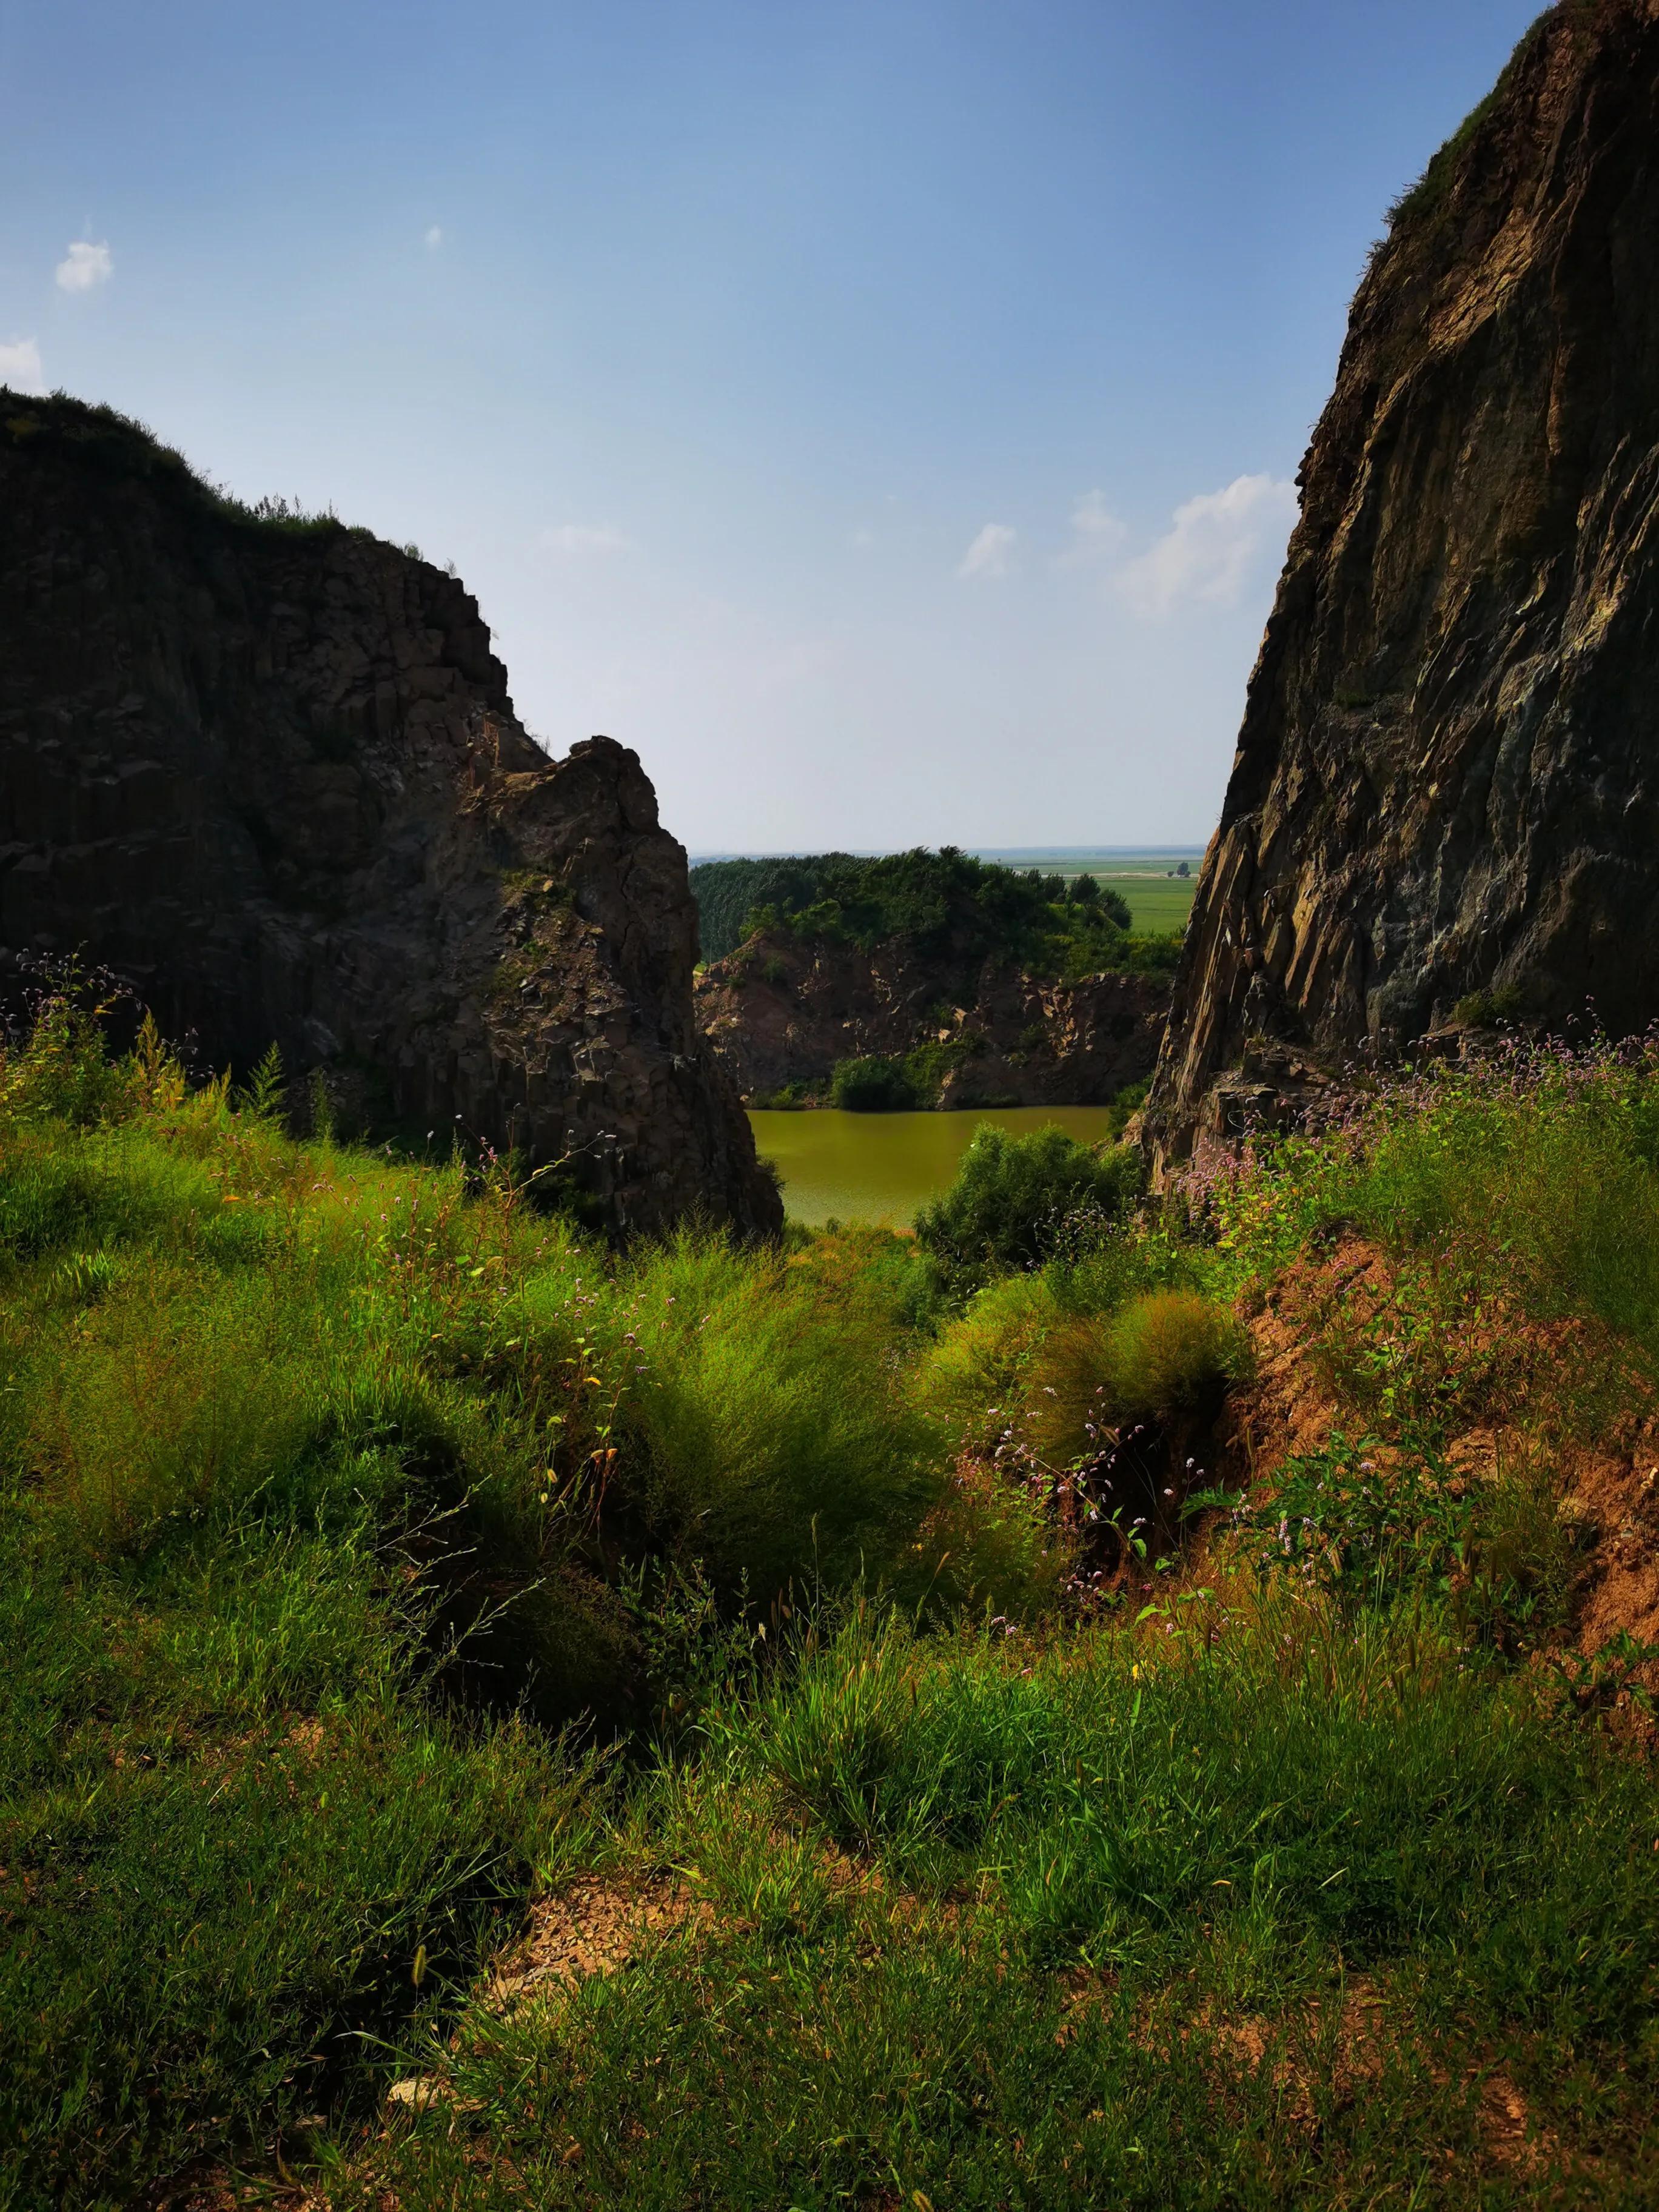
(1445,798)
(780,1013)
(268,770)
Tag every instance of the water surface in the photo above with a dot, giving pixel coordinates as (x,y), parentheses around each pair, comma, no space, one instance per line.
(880,1167)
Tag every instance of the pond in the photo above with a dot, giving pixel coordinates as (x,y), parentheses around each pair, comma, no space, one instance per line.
(880,1167)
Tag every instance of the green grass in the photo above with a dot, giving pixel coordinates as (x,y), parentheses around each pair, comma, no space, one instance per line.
(313,1463)
(378,1555)
(1158,906)
(1537,1171)
(1059,1927)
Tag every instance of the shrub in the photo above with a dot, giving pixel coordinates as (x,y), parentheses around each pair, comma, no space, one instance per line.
(872,1085)
(1173,1352)
(1169,1355)
(974,1373)
(1017,1201)
(1507,1002)
(779,1443)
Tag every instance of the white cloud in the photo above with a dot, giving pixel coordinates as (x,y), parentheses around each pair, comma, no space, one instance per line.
(576,537)
(435,237)
(991,553)
(85,265)
(1211,546)
(1097,532)
(20,365)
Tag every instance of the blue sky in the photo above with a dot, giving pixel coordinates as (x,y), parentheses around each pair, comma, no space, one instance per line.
(882,415)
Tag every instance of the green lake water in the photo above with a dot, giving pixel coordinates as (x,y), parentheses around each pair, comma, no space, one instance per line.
(880,1167)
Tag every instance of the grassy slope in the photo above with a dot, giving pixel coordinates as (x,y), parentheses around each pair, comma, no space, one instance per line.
(1272,1896)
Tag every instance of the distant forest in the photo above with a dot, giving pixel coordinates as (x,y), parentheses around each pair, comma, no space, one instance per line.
(946,905)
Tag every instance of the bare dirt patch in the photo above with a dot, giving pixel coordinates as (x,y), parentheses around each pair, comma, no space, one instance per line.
(591,1926)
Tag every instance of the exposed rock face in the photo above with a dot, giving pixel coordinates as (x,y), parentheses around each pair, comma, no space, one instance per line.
(1447,782)
(782,1011)
(272,774)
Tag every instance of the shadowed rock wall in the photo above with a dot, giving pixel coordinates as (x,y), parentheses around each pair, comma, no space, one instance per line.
(1447,782)
(781,1010)
(271,773)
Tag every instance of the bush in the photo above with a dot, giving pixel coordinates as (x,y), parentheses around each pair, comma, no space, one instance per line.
(1173,1352)
(780,1443)
(1169,1355)
(872,1085)
(974,1373)
(1017,1201)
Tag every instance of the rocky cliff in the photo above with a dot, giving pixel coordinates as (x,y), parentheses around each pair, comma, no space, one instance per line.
(269,770)
(1445,798)
(780,1011)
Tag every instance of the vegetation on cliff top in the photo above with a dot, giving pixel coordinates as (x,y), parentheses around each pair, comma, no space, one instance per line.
(946,909)
(100,437)
(967,1846)
(1424,199)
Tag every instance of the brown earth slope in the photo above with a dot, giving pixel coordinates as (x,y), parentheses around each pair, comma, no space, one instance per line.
(271,773)
(1447,782)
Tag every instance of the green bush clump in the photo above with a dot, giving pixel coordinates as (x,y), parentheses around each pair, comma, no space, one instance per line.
(1173,1352)
(975,1372)
(777,1439)
(1484,1009)
(1169,1355)
(872,1085)
(1017,1201)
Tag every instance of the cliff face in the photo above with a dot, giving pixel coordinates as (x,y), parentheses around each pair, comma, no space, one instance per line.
(781,1012)
(271,773)
(1447,782)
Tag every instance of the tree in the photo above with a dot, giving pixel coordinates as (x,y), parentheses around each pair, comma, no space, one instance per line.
(1017,1200)
(872,1085)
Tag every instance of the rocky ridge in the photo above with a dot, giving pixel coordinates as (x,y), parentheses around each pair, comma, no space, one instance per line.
(782,1011)
(1444,803)
(269,770)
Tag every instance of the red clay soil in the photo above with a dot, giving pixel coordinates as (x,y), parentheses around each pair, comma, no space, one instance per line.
(1529,1397)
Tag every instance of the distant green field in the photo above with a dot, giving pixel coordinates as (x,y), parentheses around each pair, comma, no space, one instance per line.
(1158,901)
(1155,903)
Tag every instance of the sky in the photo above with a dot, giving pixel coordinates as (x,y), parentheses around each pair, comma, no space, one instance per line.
(882,415)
